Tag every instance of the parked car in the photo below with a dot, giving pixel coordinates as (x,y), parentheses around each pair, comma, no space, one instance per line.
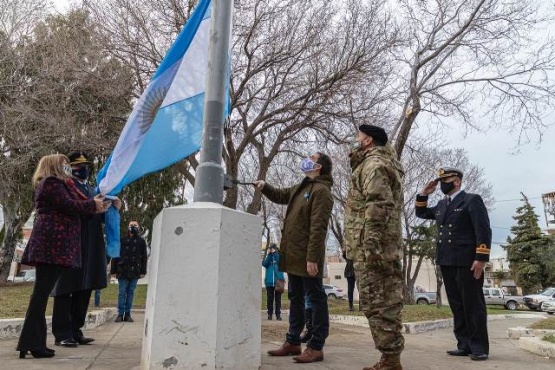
(534,301)
(25,276)
(421,296)
(497,296)
(548,306)
(333,291)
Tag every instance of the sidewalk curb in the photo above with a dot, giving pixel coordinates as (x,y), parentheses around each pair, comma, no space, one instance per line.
(537,346)
(520,332)
(424,326)
(11,328)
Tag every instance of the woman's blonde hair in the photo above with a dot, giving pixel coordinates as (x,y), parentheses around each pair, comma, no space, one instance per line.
(51,166)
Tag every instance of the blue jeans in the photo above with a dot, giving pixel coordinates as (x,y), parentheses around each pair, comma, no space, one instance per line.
(97,297)
(125,296)
(299,286)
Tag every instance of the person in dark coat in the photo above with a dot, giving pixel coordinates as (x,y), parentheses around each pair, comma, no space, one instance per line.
(349,274)
(72,292)
(129,267)
(54,244)
(303,253)
(463,248)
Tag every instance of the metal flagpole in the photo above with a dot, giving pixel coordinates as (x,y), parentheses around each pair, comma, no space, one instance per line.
(209,181)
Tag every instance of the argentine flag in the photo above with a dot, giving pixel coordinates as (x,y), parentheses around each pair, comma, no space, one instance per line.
(166,123)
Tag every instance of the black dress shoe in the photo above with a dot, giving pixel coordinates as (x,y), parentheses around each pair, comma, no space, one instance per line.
(37,354)
(478,356)
(85,340)
(458,352)
(70,343)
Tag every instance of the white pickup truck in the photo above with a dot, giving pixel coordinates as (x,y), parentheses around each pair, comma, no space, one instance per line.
(498,297)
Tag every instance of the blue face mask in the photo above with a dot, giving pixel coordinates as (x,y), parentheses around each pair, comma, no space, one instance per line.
(307,165)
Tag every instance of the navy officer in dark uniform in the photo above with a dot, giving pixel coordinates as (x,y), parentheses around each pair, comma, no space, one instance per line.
(463,248)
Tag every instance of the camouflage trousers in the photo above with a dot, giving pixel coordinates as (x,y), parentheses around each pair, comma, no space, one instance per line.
(381,299)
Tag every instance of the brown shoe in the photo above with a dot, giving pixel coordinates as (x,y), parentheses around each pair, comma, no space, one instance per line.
(286,349)
(310,355)
(387,362)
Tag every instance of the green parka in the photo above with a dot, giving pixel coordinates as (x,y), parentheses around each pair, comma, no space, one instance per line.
(303,237)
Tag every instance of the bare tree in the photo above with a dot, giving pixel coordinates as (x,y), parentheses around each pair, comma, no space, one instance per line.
(65,92)
(464,54)
(300,72)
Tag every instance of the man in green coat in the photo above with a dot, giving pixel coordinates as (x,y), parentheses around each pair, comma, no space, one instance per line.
(373,239)
(303,253)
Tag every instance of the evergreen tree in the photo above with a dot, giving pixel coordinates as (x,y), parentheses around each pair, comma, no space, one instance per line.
(530,252)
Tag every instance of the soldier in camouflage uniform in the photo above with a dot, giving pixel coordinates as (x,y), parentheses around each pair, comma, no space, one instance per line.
(373,240)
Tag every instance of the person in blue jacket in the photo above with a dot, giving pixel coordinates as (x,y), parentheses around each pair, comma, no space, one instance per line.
(272,275)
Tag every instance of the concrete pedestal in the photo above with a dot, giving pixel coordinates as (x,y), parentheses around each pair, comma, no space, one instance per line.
(204,293)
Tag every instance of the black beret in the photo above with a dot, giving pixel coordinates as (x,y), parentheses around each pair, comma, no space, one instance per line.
(446,172)
(375,132)
(78,158)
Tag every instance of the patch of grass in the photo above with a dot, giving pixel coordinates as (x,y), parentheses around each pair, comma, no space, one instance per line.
(14,299)
(548,323)
(549,338)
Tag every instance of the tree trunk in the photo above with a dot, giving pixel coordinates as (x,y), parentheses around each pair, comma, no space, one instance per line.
(439,283)
(12,227)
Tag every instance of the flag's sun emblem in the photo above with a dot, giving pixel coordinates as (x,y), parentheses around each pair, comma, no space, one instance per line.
(149,108)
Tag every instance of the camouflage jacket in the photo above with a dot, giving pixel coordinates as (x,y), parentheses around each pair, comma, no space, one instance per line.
(374,206)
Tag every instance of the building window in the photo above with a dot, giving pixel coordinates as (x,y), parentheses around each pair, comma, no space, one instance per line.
(337,277)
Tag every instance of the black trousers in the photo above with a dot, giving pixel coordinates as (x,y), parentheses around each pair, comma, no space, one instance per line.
(69,314)
(351,288)
(298,286)
(271,296)
(33,334)
(468,305)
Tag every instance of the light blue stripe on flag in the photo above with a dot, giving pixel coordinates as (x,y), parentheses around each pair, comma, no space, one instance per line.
(166,123)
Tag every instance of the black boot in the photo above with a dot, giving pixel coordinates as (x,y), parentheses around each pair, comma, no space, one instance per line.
(351,307)
(307,335)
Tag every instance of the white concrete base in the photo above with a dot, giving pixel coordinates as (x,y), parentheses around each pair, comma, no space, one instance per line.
(203,302)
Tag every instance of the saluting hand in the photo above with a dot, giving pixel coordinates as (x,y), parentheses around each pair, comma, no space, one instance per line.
(429,188)
(477,268)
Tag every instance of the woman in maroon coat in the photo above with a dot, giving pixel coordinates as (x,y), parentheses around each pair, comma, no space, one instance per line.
(54,243)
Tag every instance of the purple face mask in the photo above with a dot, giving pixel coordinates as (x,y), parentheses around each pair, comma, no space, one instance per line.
(307,165)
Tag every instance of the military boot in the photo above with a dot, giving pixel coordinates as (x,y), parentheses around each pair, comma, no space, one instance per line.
(387,362)
(307,335)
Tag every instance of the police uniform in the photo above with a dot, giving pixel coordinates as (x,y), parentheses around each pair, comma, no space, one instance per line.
(464,236)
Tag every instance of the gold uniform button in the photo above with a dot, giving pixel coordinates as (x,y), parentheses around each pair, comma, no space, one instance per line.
(450,225)
(449,240)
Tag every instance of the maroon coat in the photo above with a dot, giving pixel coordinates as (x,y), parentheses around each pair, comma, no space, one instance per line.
(56,235)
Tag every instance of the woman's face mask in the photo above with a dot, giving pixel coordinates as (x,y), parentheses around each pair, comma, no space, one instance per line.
(67,169)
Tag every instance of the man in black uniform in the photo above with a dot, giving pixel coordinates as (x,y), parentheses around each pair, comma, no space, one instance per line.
(463,248)
(72,292)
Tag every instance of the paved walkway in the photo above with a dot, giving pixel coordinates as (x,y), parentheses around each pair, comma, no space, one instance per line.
(118,347)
